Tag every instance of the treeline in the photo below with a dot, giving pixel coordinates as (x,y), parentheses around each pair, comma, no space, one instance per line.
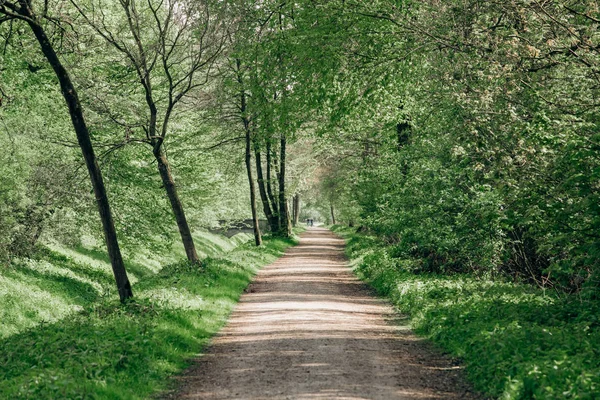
(161,96)
(468,136)
(462,132)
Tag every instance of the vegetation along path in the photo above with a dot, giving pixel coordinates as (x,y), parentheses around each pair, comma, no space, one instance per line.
(308,329)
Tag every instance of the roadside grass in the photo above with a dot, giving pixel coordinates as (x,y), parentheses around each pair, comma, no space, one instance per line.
(61,280)
(516,341)
(111,351)
(210,244)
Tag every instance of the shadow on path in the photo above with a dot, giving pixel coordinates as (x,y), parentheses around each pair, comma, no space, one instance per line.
(308,329)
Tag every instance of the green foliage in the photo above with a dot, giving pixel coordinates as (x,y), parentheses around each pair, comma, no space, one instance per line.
(109,350)
(44,194)
(516,341)
(464,133)
(34,179)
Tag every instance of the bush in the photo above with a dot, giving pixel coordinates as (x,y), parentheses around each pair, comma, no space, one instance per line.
(536,344)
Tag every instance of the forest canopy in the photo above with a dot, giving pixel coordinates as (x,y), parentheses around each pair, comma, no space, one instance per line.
(464,132)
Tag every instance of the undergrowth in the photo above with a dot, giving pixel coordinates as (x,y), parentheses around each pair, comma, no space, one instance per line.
(516,341)
(106,350)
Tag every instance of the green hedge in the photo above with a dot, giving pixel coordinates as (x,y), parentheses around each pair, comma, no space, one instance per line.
(516,341)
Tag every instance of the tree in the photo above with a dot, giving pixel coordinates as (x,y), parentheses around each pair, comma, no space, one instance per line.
(174,47)
(246,121)
(23,10)
(263,90)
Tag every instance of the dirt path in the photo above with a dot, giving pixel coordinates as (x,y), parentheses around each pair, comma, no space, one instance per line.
(308,329)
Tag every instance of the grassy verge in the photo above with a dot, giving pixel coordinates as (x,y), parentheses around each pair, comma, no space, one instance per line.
(105,350)
(516,341)
(61,280)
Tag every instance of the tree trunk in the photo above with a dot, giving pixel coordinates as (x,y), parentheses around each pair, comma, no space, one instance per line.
(85,143)
(284,221)
(182,224)
(296,209)
(332,213)
(270,192)
(246,122)
(272,219)
(256,226)
(288,221)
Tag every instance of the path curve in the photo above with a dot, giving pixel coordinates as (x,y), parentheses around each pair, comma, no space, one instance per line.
(306,328)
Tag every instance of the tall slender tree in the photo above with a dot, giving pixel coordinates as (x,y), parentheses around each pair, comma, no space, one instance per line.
(23,10)
(246,122)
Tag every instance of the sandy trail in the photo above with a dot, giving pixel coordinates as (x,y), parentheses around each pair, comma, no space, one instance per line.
(308,329)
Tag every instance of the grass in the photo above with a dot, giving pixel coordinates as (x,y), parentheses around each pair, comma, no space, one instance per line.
(105,350)
(61,280)
(516,341)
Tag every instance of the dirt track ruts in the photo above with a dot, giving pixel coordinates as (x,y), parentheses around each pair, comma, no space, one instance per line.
(306,328)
